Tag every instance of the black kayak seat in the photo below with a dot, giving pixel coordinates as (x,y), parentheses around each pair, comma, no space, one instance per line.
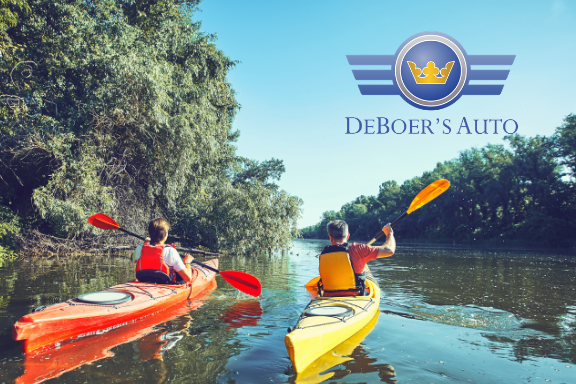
(153,276)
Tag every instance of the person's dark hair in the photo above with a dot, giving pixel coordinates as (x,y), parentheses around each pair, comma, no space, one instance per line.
(158,229)
(337,229)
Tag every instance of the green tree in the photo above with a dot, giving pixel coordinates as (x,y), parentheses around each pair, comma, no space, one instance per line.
(126,109)
(565,143)
(9,15)
(497,194)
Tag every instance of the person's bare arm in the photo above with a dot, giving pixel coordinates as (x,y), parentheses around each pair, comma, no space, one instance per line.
(389,247)
(138,251)
(186,273)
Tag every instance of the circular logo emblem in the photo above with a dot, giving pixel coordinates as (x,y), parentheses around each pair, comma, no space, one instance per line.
(430,71)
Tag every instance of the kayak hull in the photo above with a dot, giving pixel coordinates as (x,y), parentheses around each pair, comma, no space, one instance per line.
(151,340)
(313,336)
(75,318)
(341,354)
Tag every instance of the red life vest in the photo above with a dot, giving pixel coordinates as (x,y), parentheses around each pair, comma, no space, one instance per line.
(151,260)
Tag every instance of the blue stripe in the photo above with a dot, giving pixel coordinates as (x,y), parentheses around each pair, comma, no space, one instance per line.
(378,89)
(488,74)
(475,89)
(490,59)
(371,59)
(369,74)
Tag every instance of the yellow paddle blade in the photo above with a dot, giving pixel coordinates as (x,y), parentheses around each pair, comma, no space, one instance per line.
(428,194)
(313,282)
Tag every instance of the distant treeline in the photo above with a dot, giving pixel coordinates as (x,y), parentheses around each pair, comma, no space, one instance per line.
(519,193)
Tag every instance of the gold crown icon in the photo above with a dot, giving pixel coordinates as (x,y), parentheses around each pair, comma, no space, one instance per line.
(431,71)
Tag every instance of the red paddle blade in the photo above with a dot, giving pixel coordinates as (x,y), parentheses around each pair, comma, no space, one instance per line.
(243,282)
(103,221)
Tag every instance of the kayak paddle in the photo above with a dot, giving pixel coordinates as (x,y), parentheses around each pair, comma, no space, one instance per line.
(240,280)
(425,196)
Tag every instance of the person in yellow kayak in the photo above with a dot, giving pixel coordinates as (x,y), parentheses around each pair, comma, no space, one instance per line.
(159,263)
(342,265)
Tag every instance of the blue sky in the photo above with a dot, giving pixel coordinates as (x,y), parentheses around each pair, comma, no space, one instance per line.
(296,86)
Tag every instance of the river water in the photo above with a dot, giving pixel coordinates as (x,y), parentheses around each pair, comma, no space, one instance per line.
(448,314)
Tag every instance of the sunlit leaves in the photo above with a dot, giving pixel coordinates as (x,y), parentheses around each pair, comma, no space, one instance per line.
(565,142)
(130,112)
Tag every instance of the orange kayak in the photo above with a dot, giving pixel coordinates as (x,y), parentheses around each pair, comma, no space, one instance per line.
(78,317)
(42,365)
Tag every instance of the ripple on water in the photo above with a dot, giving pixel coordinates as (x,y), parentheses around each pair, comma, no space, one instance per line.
(567,322)
(470,316)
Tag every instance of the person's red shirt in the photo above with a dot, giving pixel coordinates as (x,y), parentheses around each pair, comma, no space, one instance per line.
(360,254)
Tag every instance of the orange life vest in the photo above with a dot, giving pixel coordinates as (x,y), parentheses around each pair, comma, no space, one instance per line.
(337,273)
(151,260)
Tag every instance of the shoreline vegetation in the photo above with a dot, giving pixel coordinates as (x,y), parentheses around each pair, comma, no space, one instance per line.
(521,193)
(513,245)
(124,108)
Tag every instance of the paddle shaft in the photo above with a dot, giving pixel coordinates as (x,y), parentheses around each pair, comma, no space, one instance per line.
(206,266)
(432,191)
(379,234)
(131,233)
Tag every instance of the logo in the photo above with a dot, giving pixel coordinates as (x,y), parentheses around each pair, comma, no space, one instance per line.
(430,70)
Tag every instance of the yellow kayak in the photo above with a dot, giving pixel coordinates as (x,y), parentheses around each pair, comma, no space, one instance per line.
(329,321)
(316,372)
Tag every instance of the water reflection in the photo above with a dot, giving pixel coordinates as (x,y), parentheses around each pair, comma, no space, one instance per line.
(444,310)
(154,334)
(242,314)
(349,357)
(523,297)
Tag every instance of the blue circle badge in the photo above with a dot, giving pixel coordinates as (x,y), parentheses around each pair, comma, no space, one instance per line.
(430,71)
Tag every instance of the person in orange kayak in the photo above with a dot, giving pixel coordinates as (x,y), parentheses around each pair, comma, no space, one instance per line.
(159,263)
(342,265)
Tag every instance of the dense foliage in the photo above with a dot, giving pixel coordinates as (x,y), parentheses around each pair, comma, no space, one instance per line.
(522,192)
(123,107)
